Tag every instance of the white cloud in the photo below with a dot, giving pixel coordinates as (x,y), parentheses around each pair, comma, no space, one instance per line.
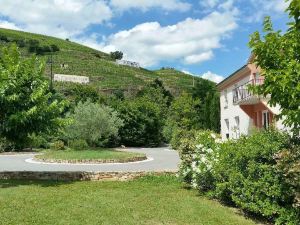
(62,18)
(212,76)
(192,59)
(8,25)
(208,76)
(169,5)
(187,72)
(261,8)
(91,41)
(209,3)
(252,10)
(191,40)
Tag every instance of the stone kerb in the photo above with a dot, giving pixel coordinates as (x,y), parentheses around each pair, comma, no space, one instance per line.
(76,176)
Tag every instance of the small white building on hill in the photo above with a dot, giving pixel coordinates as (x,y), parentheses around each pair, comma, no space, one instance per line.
(128,63)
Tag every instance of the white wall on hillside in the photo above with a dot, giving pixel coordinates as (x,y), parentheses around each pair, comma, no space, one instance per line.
(71,78)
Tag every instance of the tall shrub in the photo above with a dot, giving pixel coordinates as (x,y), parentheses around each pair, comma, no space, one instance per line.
(94,123)
(142,122)
(255,173)
(246,174)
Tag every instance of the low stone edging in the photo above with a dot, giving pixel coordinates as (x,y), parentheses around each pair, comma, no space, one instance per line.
(77,176)
(91,161)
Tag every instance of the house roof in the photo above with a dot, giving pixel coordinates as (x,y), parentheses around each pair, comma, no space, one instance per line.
(237,72)
(229,78)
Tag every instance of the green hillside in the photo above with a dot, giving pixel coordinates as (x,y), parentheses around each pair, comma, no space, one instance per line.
(102,70)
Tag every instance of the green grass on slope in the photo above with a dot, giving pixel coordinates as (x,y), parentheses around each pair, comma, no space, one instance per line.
(146,201)
(96,154)
(103,72)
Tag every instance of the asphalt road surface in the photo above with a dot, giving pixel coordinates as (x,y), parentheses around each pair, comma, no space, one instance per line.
(159,159)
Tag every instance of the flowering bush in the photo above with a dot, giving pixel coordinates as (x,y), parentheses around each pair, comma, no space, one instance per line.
(254,172)
(198,160)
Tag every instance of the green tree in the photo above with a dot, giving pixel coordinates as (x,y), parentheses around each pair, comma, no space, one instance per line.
(143,123)
(116,55)
(183,115)
(94,123)
(278,56)
(209,109)
(155,92)
(26,104)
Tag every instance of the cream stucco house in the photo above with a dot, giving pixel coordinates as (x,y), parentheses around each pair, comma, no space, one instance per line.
(241,111)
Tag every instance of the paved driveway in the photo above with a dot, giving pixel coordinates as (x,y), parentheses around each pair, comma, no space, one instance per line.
(159,159)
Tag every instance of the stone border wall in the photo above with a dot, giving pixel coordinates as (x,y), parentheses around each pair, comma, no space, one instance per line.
(77,176)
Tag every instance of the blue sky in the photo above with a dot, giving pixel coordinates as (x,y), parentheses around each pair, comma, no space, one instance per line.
(206,38)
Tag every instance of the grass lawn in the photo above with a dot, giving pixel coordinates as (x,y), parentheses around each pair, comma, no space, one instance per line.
(96,155)
(149,200)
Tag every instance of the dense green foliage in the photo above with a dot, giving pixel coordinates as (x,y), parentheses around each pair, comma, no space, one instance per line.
(209,106)
(26,104)
(288,161)
(278,55)
(32,45)
(147,200)
(116,55)
(144,115)
(79,92)
(182,116)
(94,123)
(245,172)
(142,122)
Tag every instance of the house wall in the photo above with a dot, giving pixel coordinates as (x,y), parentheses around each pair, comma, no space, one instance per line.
(232,111)
(250,116)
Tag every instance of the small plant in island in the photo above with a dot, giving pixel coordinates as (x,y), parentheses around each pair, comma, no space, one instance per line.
(27,104)
(96,124)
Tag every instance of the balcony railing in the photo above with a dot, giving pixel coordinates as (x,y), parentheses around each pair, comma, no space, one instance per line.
(242,92)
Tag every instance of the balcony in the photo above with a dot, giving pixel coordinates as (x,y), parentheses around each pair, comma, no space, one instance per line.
(242,95)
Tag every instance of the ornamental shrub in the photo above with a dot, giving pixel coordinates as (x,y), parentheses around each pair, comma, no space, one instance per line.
(254,173)
(142,122)
(57,145)
(78,144)
(94,123)
(198,159)
(5,145)
(246,174)
(288,160)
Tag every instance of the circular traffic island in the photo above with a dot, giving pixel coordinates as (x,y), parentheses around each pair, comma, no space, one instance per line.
(90,156)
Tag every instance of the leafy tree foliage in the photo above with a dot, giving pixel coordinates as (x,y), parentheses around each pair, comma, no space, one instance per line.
(83,93)
(278,55)
(26,104)
(116,55)
(158,84)
(142,122)
(209,108)
(94,123)
(145,115)
(182,116)
(155,92)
